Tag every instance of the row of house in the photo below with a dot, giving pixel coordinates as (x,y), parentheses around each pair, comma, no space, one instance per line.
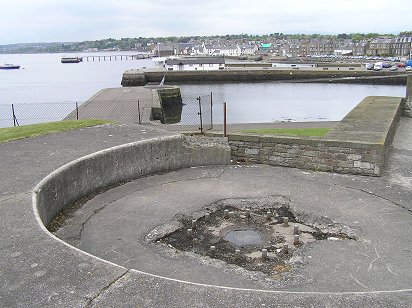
(399,47)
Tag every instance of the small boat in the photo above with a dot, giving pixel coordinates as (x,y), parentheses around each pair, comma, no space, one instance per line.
(8,66)
(71,59)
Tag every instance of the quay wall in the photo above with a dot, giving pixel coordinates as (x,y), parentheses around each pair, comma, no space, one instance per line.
(357,145)
(348,75)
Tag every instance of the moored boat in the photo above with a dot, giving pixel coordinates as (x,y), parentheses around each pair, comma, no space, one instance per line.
(71,59)
(9,66)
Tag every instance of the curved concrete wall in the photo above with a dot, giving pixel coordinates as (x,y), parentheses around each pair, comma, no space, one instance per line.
(88,174)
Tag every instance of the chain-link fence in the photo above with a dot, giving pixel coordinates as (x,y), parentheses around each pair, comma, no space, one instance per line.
(186,114)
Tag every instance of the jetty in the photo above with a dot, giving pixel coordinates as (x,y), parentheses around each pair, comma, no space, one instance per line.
(141,77)
(133,105)
(138,56)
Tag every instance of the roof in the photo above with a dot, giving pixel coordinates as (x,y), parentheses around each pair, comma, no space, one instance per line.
(200,60)
(265,45)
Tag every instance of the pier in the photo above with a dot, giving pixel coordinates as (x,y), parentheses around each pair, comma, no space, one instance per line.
(116,57)
(136,77)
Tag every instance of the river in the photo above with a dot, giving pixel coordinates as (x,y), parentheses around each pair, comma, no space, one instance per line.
(43,79)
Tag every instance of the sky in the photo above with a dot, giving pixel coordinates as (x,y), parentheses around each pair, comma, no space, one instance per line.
(27,21)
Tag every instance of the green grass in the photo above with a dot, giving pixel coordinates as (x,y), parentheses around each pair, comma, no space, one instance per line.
(308,132)
(26,131)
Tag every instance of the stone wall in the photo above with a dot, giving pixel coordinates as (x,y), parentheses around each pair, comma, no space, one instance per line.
(312,154)
(358,144)
(141,77)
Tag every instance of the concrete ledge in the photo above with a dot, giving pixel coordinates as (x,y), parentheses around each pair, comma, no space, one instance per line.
(357,145)
(109,167)
(132,78)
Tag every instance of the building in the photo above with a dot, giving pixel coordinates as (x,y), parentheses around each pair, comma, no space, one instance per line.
(318,47)
(380,47)
(165,50)
(359,48)
(402,46)
(248,50)
(195,63)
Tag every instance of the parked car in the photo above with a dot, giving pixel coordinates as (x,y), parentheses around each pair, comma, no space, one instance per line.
(377,66)
(369,66)
(408,68)
(393,68)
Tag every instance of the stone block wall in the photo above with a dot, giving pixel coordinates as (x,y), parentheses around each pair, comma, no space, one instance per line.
(312,154)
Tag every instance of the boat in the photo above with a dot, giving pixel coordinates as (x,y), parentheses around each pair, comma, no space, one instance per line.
(9,66)
(71,59)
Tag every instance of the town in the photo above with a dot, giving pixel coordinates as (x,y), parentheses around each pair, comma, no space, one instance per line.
(242,46)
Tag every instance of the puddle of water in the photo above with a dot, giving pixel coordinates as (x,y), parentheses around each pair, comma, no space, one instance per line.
(244,237)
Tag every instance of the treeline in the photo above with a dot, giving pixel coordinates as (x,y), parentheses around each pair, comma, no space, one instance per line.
(141,43)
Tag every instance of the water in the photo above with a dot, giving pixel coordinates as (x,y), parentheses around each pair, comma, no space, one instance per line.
(269,102)
(43,79)
(244,237)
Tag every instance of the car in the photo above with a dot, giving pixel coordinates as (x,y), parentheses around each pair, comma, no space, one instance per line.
(408,68)
(393,68)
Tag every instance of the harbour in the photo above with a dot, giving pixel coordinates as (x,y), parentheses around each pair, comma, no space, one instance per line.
(45,89)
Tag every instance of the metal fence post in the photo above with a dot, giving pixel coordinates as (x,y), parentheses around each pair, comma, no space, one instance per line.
(224,120)
(138,110)
(211,110)
(15,122)
(200,115)
(77,111)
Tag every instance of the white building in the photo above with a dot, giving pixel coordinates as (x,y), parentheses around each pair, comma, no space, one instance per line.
(194,64)
(222,50)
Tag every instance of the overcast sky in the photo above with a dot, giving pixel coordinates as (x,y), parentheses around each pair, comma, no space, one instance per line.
(79,20)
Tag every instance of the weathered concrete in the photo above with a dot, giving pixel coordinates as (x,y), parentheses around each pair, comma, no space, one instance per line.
(38,270)
(122,105)
(372,121)
(141,77)
(122,163)
(358,144)
(409,87)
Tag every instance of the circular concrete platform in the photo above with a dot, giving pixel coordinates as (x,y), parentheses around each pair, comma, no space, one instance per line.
(113,226)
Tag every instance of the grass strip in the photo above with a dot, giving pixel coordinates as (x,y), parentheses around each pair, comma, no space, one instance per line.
(26,131)
(308,132)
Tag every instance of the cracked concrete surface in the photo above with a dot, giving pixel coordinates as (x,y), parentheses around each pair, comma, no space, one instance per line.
(37,270)
(377,208)
(117,232)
